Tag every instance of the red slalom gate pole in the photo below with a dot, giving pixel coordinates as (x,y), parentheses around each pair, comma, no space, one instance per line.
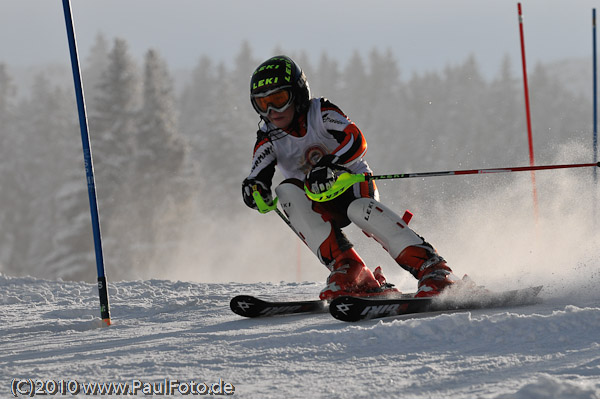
(527,110)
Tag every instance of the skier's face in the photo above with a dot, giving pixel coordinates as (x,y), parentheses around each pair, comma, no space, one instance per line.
(282,119)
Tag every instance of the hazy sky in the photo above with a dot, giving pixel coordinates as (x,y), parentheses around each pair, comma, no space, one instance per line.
(422,34)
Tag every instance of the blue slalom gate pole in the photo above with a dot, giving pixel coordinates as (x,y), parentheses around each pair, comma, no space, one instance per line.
(595,138)
(89,168)
(595,112)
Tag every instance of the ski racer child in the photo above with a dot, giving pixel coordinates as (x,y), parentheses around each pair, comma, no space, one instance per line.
(311,141)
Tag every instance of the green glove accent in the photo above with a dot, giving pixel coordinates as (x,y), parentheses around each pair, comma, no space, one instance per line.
(261,204)
(343,183)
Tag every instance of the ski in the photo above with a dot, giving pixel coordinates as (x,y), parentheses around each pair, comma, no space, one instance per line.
(250,306)
(350,308)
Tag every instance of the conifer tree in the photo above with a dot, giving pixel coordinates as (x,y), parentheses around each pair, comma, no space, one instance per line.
(95,65)
(113,125)
(326,82)
(162,184)
(113,120)
(9,184)
(505,117)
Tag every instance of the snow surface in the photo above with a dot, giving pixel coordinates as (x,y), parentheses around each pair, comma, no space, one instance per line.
(185,331)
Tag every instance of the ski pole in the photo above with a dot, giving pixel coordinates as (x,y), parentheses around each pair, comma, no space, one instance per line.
(264,208)
(346,180)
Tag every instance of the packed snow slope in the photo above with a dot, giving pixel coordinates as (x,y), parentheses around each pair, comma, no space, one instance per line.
(166,330)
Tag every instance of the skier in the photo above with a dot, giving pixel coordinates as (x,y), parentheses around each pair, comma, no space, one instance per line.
(312,141)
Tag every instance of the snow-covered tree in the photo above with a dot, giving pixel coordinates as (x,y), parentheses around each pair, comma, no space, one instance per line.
(113,126)
(113,120)
(161,185)
(9,185)
(327,81)
(94,67)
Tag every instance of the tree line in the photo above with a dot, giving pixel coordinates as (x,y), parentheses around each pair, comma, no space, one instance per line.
(169,163)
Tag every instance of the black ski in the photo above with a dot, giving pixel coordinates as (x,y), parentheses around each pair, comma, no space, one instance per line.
(250,306)
(349,308)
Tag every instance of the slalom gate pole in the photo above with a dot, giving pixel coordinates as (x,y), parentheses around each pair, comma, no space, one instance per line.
(87,159)
(595,94)
(595,112)
(527,110)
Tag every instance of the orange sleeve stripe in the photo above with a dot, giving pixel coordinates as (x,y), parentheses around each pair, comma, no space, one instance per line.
(260,143)
(353,146)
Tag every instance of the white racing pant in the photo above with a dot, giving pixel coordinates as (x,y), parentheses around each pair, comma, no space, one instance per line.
(383,224)
(309,225)
(374,218)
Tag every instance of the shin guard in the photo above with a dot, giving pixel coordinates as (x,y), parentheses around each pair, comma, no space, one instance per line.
(319,234)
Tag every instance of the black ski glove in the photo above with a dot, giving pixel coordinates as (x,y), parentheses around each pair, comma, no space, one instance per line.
(248,186)
(324,174)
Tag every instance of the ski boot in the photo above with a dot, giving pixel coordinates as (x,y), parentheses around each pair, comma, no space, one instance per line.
(350,276)
(423,262)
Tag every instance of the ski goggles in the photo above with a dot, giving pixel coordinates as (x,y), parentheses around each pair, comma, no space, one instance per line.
(273,100)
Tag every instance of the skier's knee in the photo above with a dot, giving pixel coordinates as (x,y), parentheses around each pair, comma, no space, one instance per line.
(383,224)
(289,187)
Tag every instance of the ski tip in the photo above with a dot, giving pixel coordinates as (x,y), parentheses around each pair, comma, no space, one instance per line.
(250,306)
(352,309)
(341,308)
(533,294)
(245,305)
